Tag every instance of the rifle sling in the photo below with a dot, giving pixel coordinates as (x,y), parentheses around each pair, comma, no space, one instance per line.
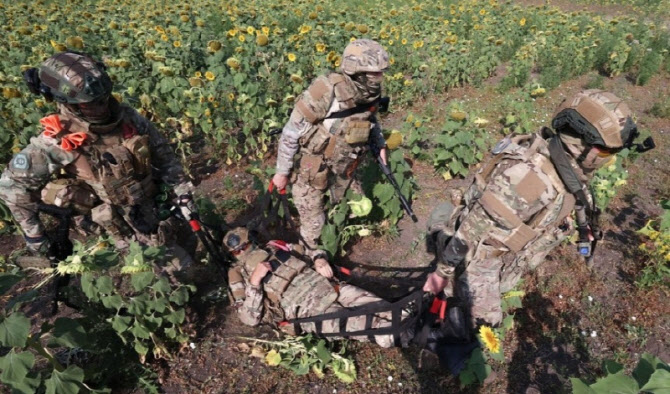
(564,169)
(354,110)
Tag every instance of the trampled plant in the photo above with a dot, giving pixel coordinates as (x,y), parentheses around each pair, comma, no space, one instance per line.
(306,353)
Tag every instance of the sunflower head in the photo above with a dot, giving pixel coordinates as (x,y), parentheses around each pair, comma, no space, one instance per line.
(489,338)
(262,40)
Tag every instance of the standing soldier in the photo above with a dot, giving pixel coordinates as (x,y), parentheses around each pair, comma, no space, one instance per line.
(518,208)
(106,158)
(326,136)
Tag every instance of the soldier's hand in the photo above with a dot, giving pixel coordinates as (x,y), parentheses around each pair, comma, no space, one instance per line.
(280,181)
(38,246)
(259,273)
(187,206)
(323,267)
(435,283)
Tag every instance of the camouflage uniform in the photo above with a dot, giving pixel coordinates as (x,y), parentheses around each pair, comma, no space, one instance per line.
(326,150)
(518,208)
(296,291)
(106,172)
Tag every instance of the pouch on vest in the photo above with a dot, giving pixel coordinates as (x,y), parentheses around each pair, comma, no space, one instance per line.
(317,140)
(312,168)
(139,149)
(236,284)
(356,131)
(120,162)
(69,193)
(281,278)
(105,216)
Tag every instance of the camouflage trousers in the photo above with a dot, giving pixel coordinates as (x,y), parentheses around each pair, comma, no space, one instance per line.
(487,271)
(310,201)
(487,277)
(352,296)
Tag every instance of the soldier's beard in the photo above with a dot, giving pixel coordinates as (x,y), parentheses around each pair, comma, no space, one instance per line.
(368,90)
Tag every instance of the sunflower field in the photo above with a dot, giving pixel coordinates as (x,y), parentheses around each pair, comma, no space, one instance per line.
(229,71)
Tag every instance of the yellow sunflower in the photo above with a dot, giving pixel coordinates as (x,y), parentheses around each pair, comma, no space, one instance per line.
(214,45)
(490,339)
(262,40)
(233,63)
(522,22)
(210,76)
(177,44)
(320,47)
(291,57)
(304,29)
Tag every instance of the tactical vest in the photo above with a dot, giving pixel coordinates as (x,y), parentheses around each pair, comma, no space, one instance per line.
(299,291)
(509,207)
(115,164)
(339,141)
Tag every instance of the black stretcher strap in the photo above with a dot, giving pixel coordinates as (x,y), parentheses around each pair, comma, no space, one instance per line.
(369,310)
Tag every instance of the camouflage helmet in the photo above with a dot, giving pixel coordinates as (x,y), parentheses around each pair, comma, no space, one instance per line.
(598,117)
(74,78)
(236,239)
(364,55)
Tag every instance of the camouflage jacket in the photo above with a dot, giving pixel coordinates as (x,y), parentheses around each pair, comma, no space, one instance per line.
(517,203)
(45,157)
(325,96)
(292,290)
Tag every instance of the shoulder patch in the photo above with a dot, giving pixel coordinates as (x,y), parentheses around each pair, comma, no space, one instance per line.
(21,162)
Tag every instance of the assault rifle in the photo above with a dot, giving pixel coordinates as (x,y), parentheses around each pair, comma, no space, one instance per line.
(374,149)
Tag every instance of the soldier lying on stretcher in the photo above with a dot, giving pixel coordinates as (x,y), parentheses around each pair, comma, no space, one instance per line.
(274,285)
